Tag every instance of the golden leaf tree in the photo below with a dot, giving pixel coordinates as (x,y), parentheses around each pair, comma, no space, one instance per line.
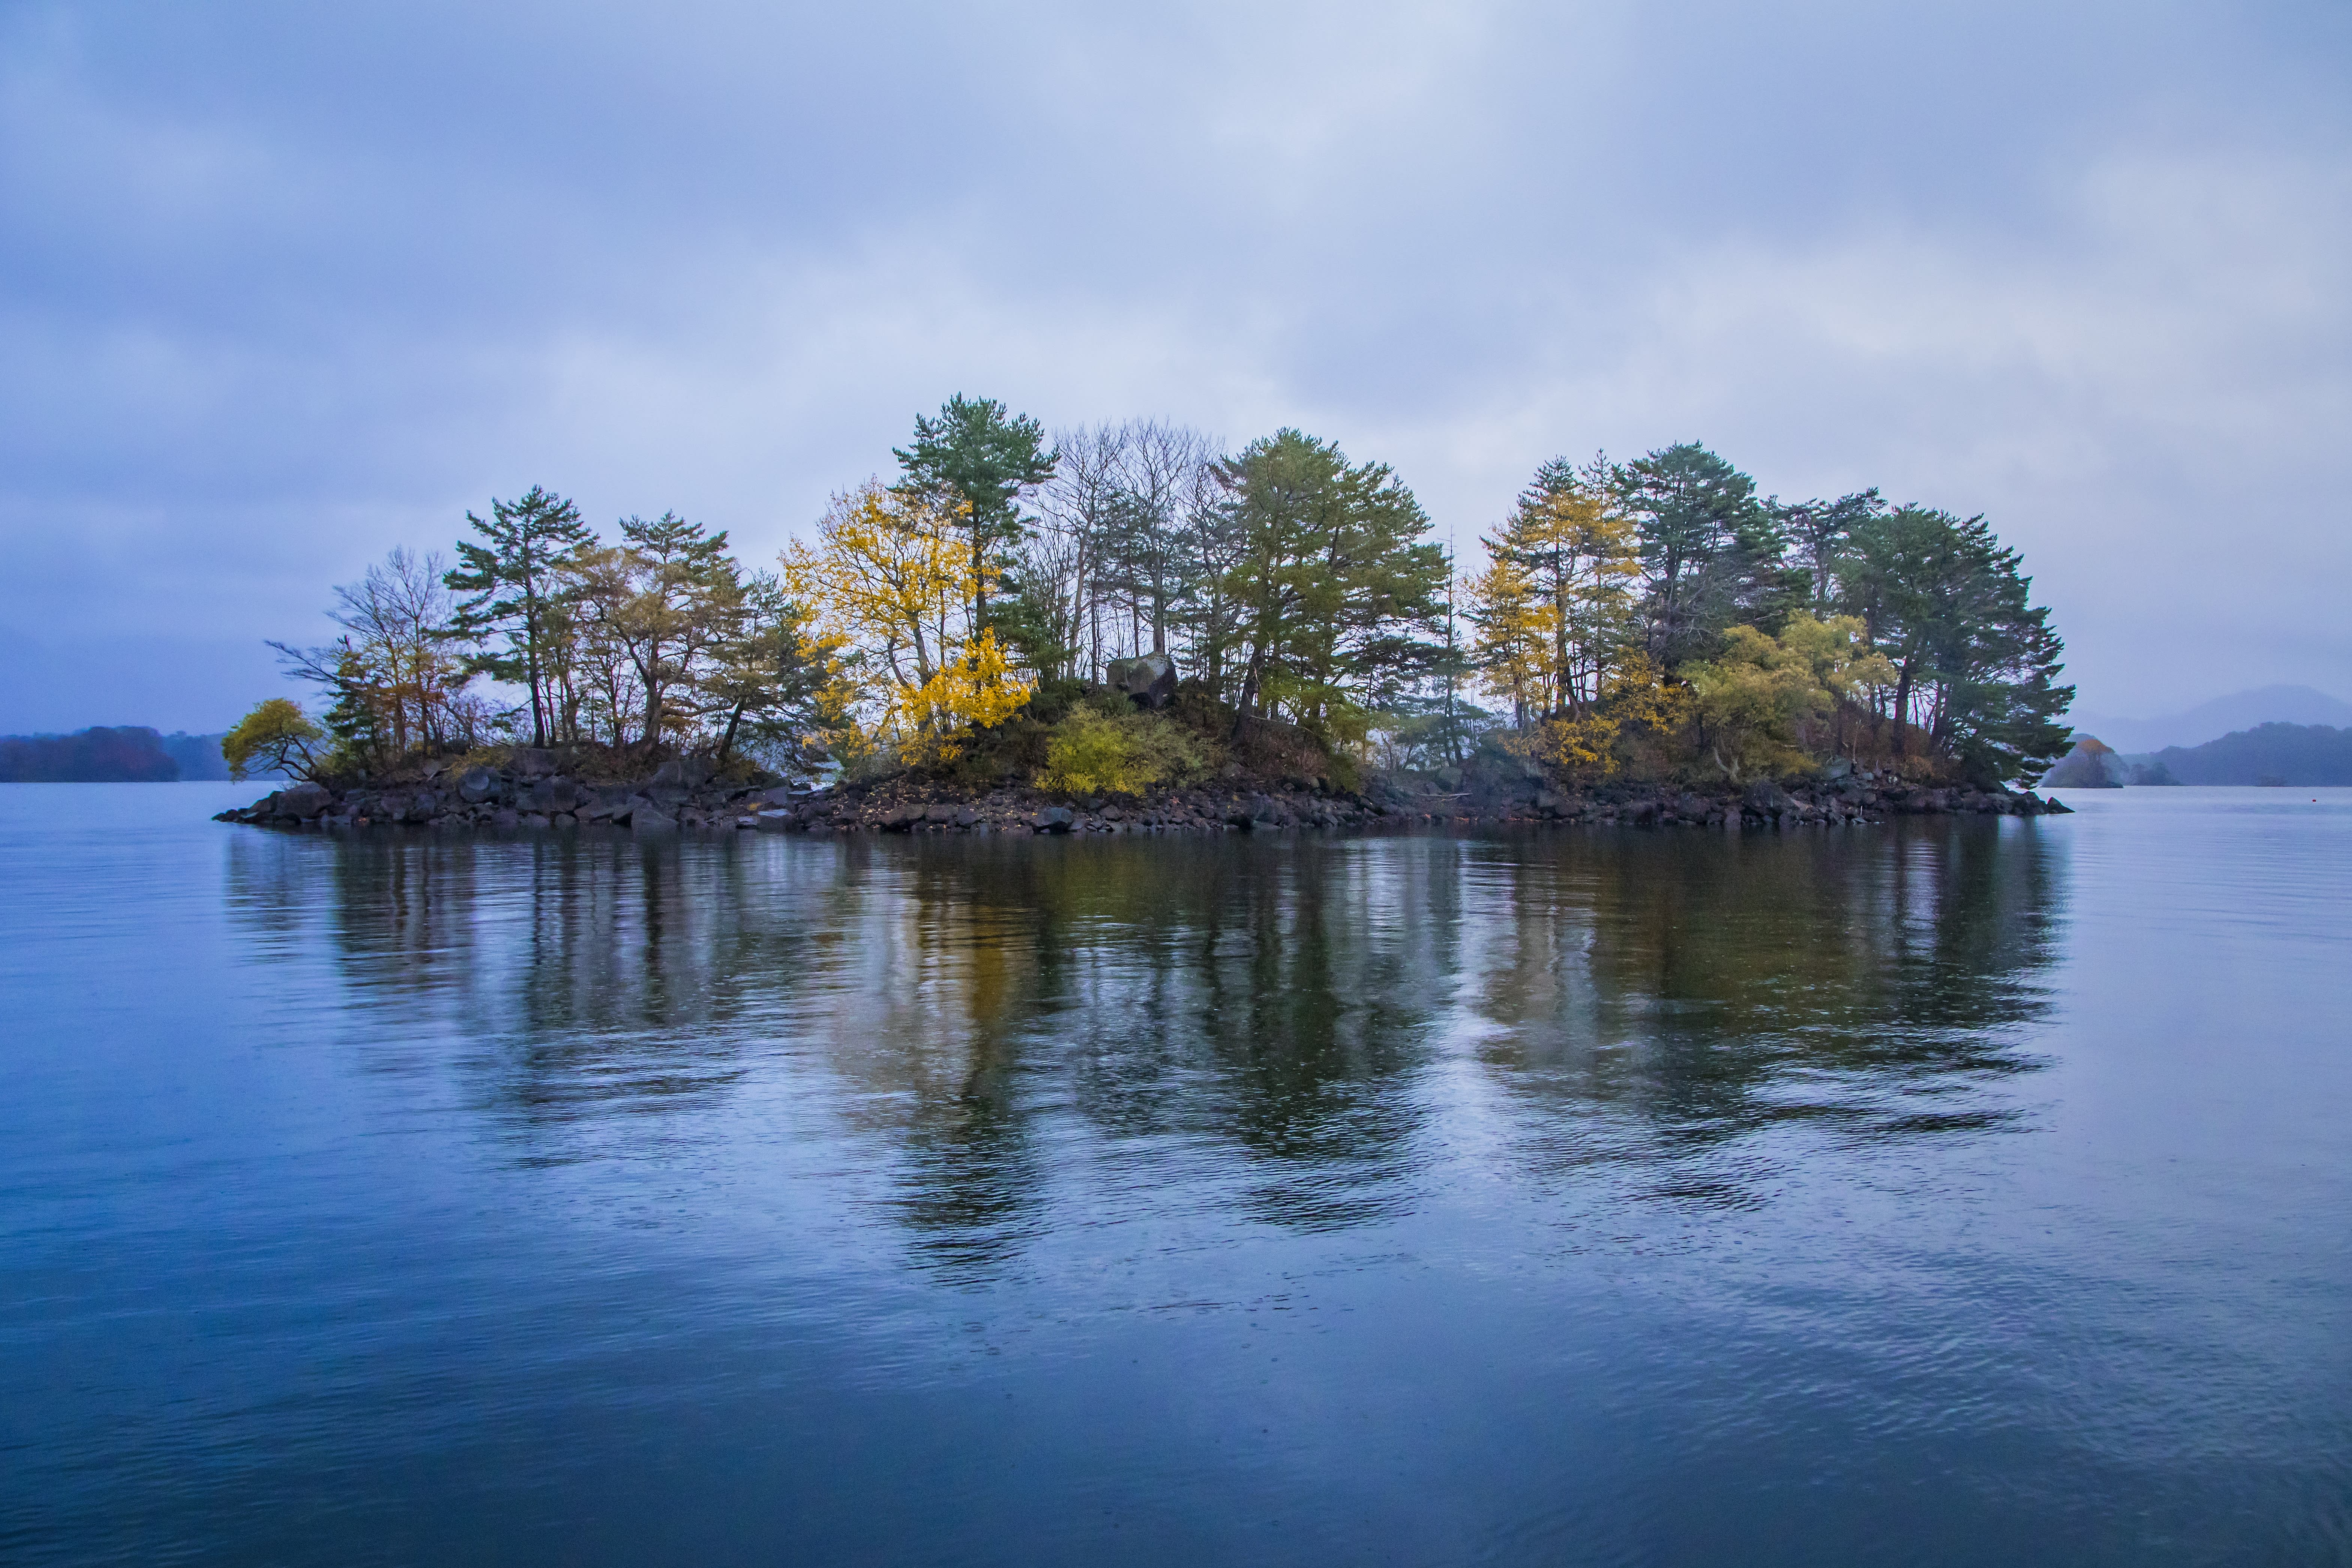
(890,583)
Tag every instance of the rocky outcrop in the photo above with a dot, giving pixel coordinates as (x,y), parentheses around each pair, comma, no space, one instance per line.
(682,797)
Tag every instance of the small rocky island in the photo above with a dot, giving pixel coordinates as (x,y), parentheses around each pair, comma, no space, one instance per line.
(1134,631)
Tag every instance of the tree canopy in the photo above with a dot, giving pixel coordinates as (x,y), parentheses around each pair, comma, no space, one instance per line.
(1657,615)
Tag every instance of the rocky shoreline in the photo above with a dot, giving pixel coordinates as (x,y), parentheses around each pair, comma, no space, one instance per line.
(532,791)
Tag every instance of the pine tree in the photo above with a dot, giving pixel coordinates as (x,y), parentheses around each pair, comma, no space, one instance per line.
(514,576)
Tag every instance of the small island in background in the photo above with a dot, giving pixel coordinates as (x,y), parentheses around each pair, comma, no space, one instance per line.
(1126,627)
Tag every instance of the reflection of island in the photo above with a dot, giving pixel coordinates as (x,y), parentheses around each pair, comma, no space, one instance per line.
(976,1007)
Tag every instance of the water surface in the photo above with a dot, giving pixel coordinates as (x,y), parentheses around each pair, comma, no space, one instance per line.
(1952,1193)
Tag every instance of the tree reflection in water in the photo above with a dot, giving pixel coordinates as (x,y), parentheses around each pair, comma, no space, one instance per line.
(1296,1015)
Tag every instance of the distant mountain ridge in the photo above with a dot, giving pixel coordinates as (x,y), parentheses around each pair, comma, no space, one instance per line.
(2307,755)
(2240,710)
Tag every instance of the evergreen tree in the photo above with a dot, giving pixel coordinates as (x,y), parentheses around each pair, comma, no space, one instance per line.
(1710,550)
(977,455)
(1337,584)
(514,574)
(1976,663)
(1818,532)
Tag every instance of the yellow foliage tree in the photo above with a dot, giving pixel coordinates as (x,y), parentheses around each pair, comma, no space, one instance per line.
(1554,607)
(1752,701)
(1514,638)
(1584,744)
(278,737)
(976,690)
(890,583)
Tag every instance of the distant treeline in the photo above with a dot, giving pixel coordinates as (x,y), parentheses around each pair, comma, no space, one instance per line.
(2292,755)
(125,753)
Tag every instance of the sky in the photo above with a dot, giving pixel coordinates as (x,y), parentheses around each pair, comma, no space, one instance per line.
(284,286)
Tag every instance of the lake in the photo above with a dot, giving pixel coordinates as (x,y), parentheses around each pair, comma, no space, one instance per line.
(1939,1193)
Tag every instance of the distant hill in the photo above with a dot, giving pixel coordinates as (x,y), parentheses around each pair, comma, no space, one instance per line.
(129,754)
(2292,755)
(2222,716)
(122,754)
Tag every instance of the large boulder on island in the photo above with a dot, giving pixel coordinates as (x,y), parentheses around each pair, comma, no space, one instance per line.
(301,802)
(476,786)
(1149,679)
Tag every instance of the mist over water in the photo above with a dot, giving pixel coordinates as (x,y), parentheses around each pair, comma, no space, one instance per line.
(1954,1192)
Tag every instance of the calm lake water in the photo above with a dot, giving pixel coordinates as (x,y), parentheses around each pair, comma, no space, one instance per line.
(1932,1193)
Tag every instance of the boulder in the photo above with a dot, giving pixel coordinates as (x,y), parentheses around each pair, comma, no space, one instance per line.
(533,762)
(1766,798)
(683,773)
(550,795)
(301,801)
(476,786)
(1055,819)
(650,816)
(1149,679)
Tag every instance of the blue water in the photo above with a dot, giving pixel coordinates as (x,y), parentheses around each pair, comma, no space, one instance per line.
(1940,1193)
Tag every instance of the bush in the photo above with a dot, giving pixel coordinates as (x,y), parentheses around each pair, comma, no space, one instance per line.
(1094,752)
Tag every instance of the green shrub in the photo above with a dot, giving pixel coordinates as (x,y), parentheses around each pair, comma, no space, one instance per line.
(1092,752)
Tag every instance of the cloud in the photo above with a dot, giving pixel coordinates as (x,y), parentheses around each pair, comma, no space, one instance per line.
(290,286)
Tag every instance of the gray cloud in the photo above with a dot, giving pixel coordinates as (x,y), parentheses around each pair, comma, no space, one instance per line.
(287,285)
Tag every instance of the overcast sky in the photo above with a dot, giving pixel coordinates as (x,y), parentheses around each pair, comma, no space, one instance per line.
(284,286)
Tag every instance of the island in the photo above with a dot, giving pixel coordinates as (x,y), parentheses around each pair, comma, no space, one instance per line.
(1124,628)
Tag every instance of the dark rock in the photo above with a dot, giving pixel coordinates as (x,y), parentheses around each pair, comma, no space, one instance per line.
(1149,679)
(476,786)
(1053,819)
(1766,798)
(683,773)
(301,802)
(533,762)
